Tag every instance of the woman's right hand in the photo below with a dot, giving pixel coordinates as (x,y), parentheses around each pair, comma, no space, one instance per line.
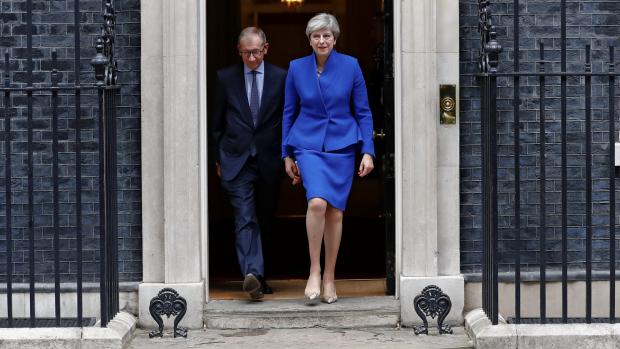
(292,170)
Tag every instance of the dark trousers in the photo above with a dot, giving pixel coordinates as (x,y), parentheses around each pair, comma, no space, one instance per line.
(253,200)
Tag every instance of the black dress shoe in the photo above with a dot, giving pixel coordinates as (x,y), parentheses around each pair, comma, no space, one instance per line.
(253,287)
(266,288)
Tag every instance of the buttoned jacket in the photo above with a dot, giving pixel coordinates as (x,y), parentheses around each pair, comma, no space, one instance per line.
(329,112)
(232,129)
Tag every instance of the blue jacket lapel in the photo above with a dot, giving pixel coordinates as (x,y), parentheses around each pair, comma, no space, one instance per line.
(330,71)
(327,75)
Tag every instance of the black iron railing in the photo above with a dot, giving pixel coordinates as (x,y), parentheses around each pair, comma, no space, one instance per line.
(30,94)
(488,67)
(488,77)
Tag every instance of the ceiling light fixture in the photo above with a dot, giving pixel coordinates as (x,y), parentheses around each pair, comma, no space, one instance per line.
(291,3)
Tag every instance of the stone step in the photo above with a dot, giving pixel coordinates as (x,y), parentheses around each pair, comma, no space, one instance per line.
(307,338)
(353,312)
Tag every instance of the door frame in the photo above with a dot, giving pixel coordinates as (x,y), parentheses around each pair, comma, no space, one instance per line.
(203,143)
(398,184)
(204,212)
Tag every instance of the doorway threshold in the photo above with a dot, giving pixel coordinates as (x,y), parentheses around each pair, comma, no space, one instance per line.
(294,289)
(348,312)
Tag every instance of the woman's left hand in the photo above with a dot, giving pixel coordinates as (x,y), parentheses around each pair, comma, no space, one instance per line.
(366,165)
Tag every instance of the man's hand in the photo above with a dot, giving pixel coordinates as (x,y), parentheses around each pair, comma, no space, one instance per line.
(218,169)
(292,170)
(366,165)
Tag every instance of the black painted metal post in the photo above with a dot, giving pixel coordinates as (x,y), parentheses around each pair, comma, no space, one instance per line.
(517,164)
(105,73)
(588,185)
(543,222)
(109,187)
(110,22)
(29,67)
(612,188)
(112,194)
(483,28)
(7,191)
(564,165)
(489,153)
(78,161)
(486,201)
(488,64)
(115,198)
(103,241)
(99,63)
(493,191)
(54,79)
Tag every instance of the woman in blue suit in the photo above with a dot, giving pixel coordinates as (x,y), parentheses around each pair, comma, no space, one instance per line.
(326,121)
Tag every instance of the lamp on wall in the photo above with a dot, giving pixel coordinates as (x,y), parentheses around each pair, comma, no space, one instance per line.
(291,3)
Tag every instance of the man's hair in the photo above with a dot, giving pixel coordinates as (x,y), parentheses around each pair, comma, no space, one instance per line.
(253,31)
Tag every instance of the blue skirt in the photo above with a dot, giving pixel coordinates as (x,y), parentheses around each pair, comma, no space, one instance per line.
(327,175)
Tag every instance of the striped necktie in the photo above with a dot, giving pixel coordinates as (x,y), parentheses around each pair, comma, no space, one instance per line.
(254,102)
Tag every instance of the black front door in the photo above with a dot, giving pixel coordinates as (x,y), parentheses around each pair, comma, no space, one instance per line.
(367,249)
(381,95)
(387,137)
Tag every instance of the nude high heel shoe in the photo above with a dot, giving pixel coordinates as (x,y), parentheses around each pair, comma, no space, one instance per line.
(329,299)
(312,297)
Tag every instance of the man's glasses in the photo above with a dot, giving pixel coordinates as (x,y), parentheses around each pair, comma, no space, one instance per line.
(255,53)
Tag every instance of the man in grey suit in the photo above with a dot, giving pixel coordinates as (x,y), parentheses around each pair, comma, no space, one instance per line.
(246,129)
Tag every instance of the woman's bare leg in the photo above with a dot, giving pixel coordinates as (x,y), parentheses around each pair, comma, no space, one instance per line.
(315,225)
(333,235)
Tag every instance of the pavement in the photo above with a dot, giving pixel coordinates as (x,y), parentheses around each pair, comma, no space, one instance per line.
(306,338)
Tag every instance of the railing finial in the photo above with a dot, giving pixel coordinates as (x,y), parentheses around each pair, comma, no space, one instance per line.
(490,47)
(105,48)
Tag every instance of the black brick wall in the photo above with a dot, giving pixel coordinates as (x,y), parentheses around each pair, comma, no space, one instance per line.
(593,22)
(53,29)
(589,22)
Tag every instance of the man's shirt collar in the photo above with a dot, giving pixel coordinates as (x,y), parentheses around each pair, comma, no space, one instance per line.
(260,69)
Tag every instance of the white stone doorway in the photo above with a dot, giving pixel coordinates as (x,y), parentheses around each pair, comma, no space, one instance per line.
(174,158)
(365,245)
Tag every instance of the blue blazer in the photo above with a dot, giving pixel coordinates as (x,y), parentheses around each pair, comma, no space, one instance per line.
(327,113)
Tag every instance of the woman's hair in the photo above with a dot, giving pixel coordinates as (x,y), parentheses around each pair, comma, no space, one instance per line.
(323,21)
(253,31)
